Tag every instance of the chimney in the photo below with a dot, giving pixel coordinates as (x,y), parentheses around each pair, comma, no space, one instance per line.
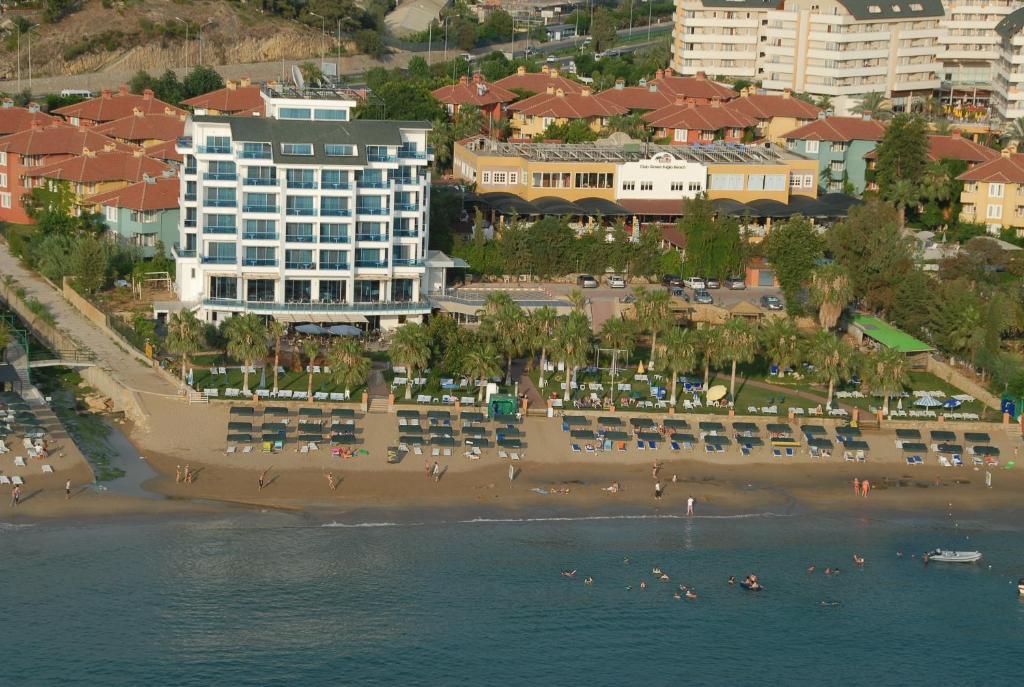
(478,77)
(245,82)
(553,73)
(106,93)
(87,153)
(585,91)
(543,70)
(148,94)
(463,80)
(36,124)
(787,93)
(122,89)
(110,146)
(701,76)
(146,179)
(955,134)
(33,107)
(230,85)
(520,70)
(550,90)
(1008,150)
(866,116)
(822,115)
(652,87)
(559,92)
(660,74)
(716,102)
(137,112)
(745,91)
(620,84)
(168,174)
(7,102)
(680,100)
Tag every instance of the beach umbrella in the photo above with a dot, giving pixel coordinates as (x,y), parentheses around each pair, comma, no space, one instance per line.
(711,426)
(942,435)
(510,443)
(401,413)
(344,330)
(640,368)
(928,402)
(311,329)
(410,440)
(649,436)
(583,434)
(819,442)
(263,378)
(986,450)
(899,404)
(191,376)
(311,412)
(717,440)
(977,437)
(745,427)
(749,442)
(676,423)
(638,422)
(609,421)
(779,428)
(908,434)
(952,403)
(351,413)
(717,392)
(616,436)
(683,438)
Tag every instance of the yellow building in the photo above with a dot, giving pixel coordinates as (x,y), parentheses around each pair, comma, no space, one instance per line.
(993,193)
(744,182)
(532,116)
(95,172)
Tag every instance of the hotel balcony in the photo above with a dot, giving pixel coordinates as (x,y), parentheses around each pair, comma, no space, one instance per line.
(271,308)
(259,262)
(214,229)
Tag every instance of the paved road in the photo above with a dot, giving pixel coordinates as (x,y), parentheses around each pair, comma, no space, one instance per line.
(121,364)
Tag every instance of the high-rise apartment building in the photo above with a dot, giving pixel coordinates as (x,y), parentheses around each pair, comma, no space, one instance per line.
(303,214)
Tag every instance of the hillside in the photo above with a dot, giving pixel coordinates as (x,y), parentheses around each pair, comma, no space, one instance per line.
(134,35)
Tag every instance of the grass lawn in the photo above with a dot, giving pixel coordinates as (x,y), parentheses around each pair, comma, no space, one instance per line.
(294,381)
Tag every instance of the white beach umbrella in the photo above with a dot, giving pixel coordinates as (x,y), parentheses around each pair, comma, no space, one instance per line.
(927,402)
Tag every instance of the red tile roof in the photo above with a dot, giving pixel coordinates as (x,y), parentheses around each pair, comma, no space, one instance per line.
(14,119)
(104,165)
(700,117)
(165,151)
(1007,169)
(567,105)
(58,139)
(952,148)
(138,127)
(110,106)
(160,193)
(636,97)
(235,98)
(692,87)
(839,129)
(538,82)
(768,106)
(476,92)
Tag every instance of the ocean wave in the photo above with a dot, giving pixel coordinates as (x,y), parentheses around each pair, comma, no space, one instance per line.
(8,526)
(369,524)
(663,516)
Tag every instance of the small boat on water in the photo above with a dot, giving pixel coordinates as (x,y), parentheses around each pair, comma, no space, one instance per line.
(1020,586)
(944,556)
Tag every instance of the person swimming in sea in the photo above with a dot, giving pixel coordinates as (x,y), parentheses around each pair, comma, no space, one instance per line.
(691,595)
(858,559)
(663,577)
(731,580)
(811,568)
(829,603)
(677,596)
(656,571)
(569,573)
(588,580)
(625,561)
(643,585)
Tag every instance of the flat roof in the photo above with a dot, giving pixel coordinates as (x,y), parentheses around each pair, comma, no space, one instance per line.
(889,336)
(711,153)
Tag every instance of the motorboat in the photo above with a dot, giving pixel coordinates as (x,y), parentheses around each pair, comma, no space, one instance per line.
(944,556)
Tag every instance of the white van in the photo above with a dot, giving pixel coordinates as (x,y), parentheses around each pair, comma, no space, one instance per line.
(76,92)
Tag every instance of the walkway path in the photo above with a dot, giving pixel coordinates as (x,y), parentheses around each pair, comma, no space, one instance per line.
(132,372)
(789,391)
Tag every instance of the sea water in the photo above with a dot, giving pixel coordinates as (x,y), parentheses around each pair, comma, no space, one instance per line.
(272,599)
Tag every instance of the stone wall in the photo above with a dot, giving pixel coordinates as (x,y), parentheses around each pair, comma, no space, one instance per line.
(46,332)
(950,374)
(123,399)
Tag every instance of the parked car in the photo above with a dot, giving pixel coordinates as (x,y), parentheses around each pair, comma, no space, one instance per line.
(771,303)
(714,284)
(736,283)
(695,283)
(586,281)
(703,297)
(677,292)
(551,58)
(672,280)
(617,281)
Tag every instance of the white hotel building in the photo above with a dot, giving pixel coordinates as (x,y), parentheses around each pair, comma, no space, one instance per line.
(304,215)
(836,48)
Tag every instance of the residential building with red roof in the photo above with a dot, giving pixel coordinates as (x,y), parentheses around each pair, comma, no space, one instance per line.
(236,98)
(110,106)
(142,214)
(35,147)
(993,193)
(534,83)
(490,99)
(697,89)
(531,117)
(145,129)
(636,98)
(776,114)
(14,119)
(839,144)
(94,172)
(166,151)
(952,147)
(683,122)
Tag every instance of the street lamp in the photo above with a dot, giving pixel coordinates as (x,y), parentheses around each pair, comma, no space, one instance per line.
(208,22)
(650,13)
(323,33)
(186,40)
(338,74)
(29,33)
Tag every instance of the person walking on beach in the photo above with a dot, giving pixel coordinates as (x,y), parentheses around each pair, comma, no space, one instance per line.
(436,471)
(657,490)
(654,470)
(332,481)
(689,506)
(188,474)
(856,487)
(262,481)
(426,467)
(67,490)
(511,474)
(16,495)
(177,474)
(865,487)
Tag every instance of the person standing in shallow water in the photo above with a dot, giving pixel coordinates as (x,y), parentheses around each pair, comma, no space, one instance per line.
(856,487)
(657,490)
(689,506)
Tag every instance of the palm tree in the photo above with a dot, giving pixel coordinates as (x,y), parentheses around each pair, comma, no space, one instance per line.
(277,329)
(480,362)
(310,350)
(738,342)
(904,193)
(824,102)
(832,290)
(572,342)
(618,334)
(1015,130)
(542,321)
(781,341)
(504,322)
(410,347)
(184,337)
(707,342)
(887,371)
(578,300)
(832,359)
(681,352)
(247,343)
(349,366)
(654,314)
(938,186)
(874,104)
(5,340)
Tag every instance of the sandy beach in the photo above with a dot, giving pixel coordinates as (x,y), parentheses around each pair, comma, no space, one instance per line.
(549,477)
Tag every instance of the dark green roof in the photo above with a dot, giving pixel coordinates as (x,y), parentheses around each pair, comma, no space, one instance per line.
(1011,24)
(893,9)
(746,4)
(360,133)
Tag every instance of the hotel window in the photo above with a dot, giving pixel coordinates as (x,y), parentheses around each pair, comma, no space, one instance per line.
(695,186)
(330,115)
(293,113)
(628,185)
(110,212)
(646,185)
(839,147)
(485,178)
(551,179)
(145,216)
(811,146)
(513,178)
(339,150)
(3,158)
(1020,210)
(679,135)
(677,185)
(3,181)
(796,181)
(500,178)
(296,148)
(707,135)
(808,181)
(259,290)
(995,211)
(995,190)
(725,182)
(597,180)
